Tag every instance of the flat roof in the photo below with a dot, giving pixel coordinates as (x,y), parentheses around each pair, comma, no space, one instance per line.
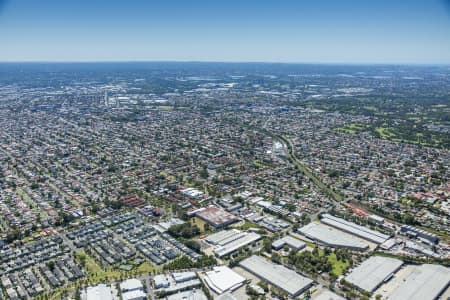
(353,228)
(277,275)
(216,238)
(326,295)
(424,282)
(188,295)
(215,216)
(226,296)
(222,279)
(183,276)
(131,284)
(290,241)
(373,272)
(99,292)
(132,295)
(244,239)
(331,236)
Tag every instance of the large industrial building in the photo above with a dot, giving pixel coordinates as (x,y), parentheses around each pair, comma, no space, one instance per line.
(277,275)
(373,272)
(332,237)
(214,216)
(353,228)
(229,241)
(420,234)
(222,279)
(423,282)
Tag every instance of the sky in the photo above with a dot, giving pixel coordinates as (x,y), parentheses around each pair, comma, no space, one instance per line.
(300,31)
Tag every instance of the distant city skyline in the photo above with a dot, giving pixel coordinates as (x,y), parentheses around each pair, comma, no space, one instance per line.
(342,32)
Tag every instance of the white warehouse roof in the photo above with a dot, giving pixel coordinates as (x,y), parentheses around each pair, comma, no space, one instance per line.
(332,237)
(244,239)
(290,241)
(373,272)
(425,282)
(131,284)
(134,295)
(222,279)
(99,292)
(288,280)
(353,228)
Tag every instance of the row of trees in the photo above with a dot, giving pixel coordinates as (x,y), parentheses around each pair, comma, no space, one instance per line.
(185,262)
(184,230)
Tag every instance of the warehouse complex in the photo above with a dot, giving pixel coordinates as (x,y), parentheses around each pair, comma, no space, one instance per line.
(420,234)
(279,276)
(229,241)
(373,272)
(331,237)
(353,228)
(424,282)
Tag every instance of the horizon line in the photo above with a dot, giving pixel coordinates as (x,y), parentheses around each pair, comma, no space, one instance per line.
(225,62)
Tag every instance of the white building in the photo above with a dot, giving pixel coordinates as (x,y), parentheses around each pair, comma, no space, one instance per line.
(134,295)
(131,285)
(222,279)
(161,281)
(99,292)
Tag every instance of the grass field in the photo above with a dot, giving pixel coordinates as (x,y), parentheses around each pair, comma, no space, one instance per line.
(353,128)
(385,133)
(339,267)
(166,107)
(248,225)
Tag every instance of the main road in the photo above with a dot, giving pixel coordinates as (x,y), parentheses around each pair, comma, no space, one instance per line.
(297,163)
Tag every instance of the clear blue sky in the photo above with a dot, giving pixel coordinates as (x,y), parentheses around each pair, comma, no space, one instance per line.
(314,31)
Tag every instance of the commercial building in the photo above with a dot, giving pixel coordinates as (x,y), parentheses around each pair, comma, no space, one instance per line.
(134,295)
(277,275)
(175,282)
(290,241)
(223,237)
(229,241)
(420,234)
(222,279)
(131,285)
(99,292)
(192,193)
(424,282)
(132,289)
(188,295)
(373,272)
(161,281)
(183,276)
(326,295)
(353,228)
(214,216)
(331,237)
